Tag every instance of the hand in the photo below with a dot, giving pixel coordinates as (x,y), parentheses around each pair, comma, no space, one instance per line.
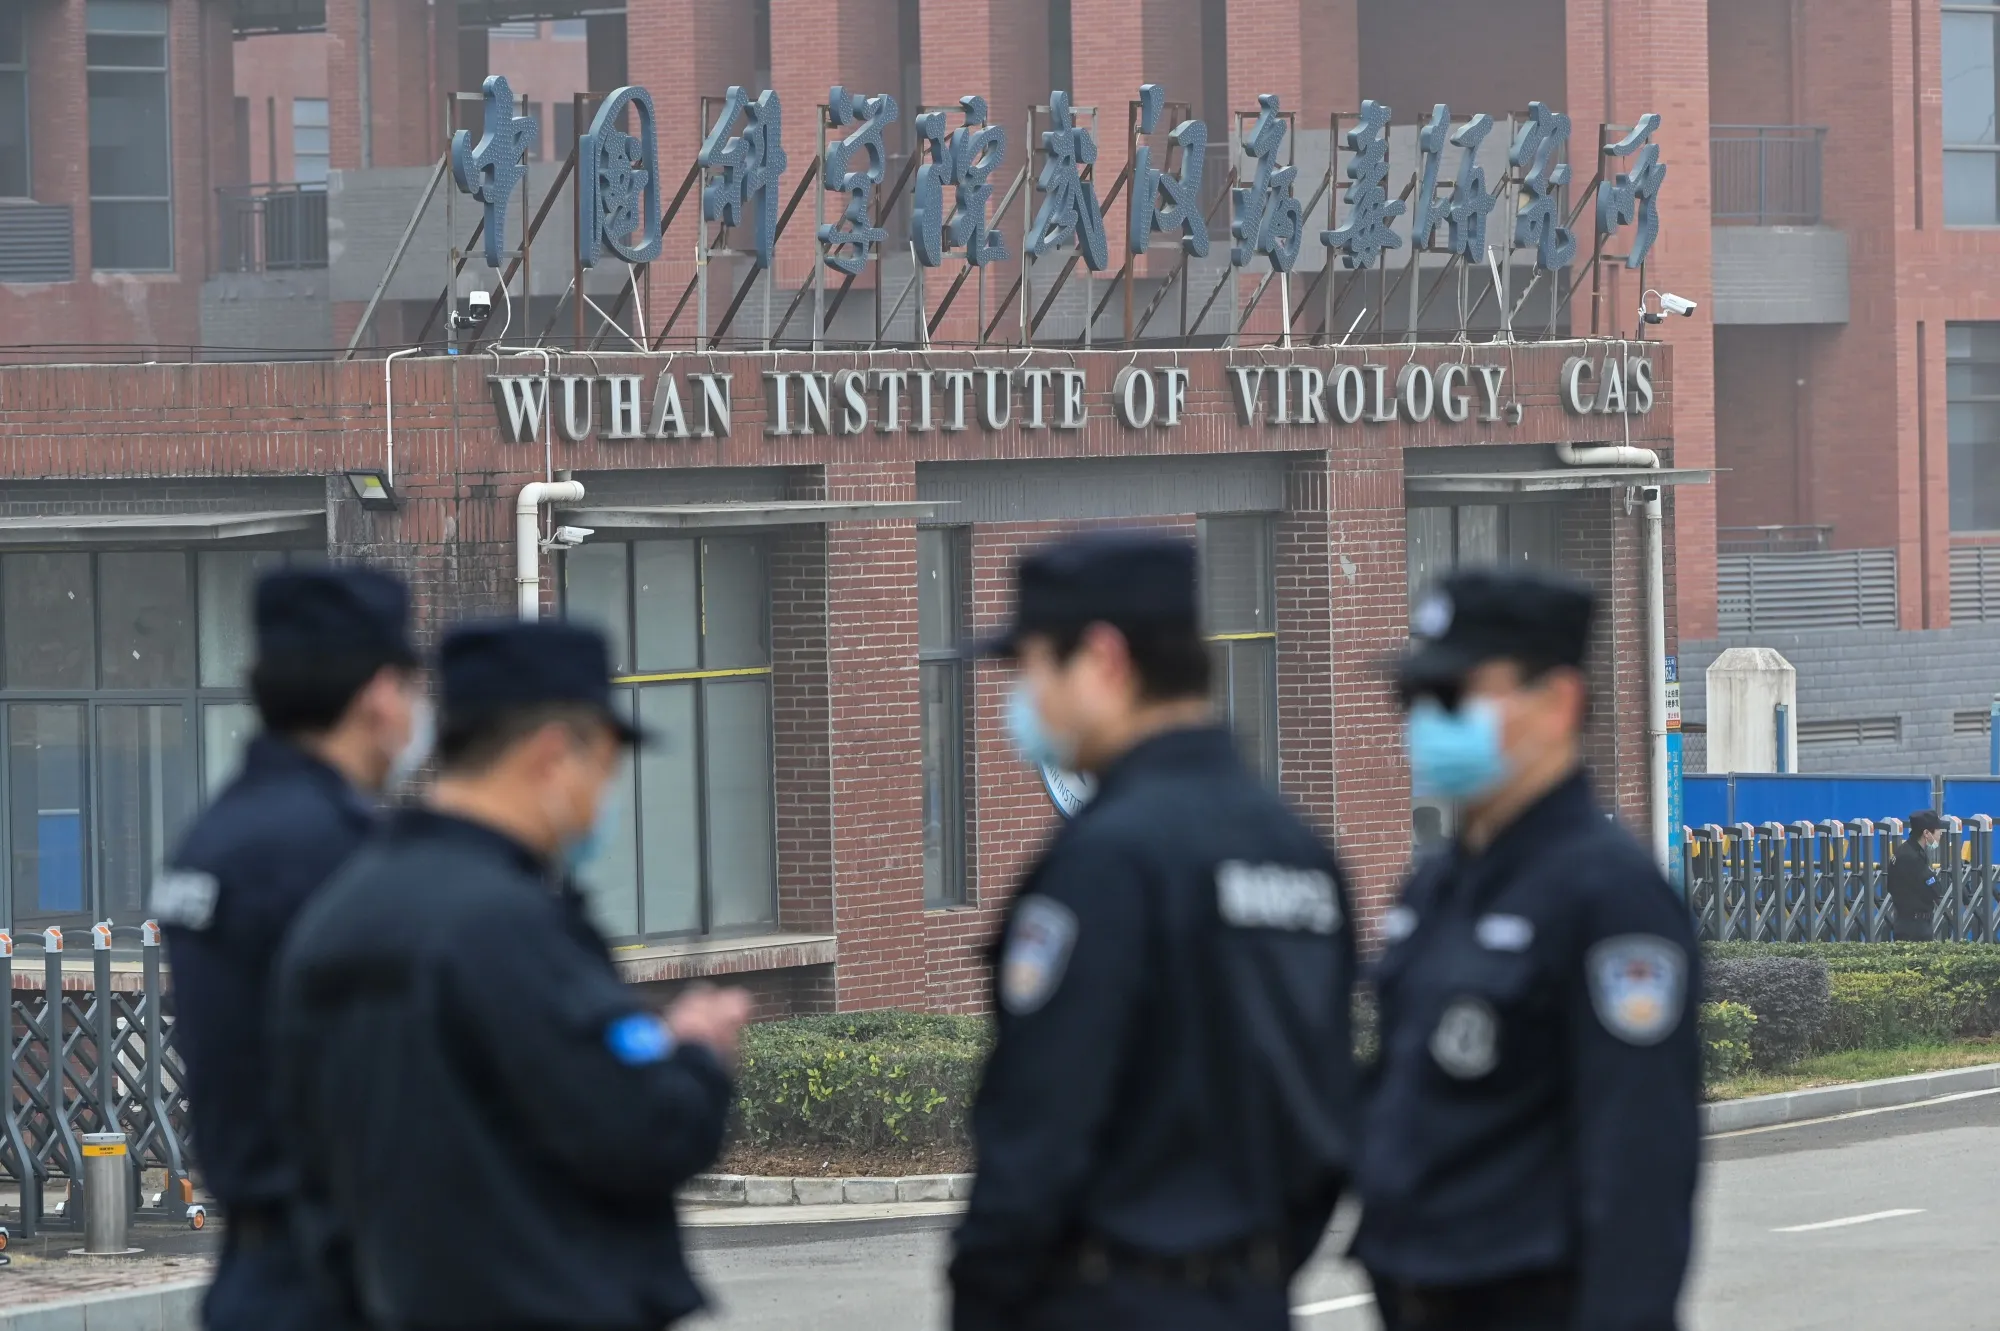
(708,1016)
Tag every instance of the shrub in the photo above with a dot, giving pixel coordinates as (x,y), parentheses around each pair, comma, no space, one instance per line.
(1789,996)
(864,1080)
(1963,976)
(1884,1009)
(1726,1030)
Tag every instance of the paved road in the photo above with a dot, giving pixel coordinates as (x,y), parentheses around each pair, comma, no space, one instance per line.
(1917,1190)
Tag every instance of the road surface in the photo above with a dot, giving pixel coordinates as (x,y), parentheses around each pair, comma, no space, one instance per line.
(1887,1220)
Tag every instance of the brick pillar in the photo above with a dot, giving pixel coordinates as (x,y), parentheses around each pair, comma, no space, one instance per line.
(1606,546)
(411,59)
(56,111)
(875,743)
(1116,46)
(1304,578)
(799,732)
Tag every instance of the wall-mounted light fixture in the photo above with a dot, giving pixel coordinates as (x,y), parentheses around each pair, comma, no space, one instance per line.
(372,489)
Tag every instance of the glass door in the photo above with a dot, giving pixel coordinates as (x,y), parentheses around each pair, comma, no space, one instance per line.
(48,869)
(146,796)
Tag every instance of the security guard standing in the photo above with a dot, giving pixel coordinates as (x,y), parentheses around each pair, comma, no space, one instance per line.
(1163,1128)
(335,686)
(1913,883)
(1529,1135)
(496,1123)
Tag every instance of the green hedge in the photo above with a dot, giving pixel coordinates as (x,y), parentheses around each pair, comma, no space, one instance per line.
(862,1080)
(1880,995)
(1726,1031)
(1789,995)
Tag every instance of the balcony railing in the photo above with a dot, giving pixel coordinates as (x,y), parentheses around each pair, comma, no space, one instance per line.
(271,228)
(1766,175)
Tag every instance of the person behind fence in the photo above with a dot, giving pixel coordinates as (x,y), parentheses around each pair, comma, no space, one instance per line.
(335,685)
(1913,879)
(497,1124)
(1529,1131)
(1162,1129)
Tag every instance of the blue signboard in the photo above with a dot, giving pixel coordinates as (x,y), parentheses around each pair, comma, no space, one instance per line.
(1675,801)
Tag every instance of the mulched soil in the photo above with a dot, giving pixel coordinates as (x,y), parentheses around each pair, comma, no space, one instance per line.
(842,1162)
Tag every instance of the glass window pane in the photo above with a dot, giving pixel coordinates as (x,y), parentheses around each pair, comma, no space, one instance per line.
(128,135)
(13,41)
(13,134)
(937,588)
(309,111)
(47,865)
(1429,547)
(1236,575)
(1534,535)
(145,796)
(1974,451)
(1968,78)
(595,592)
(46,616)
(1971,189)
(733,609)
(666,603)
(610,886)
(1253,704)
(736,721)
(125,16)
(1478,535)
(131,237)
(944,784)
(226,731)
(565,128)
(670,809)
(228,578)
(147,622)
(125,53)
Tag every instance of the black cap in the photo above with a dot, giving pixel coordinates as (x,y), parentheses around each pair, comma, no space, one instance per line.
(319,613)
(1924,820)
(1122,578)
(497,666)
(1492,614)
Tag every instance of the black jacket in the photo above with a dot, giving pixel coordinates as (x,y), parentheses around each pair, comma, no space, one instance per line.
(456,1057)
(1913,886)
(1173,1071)
(1534,1109)
(242,873)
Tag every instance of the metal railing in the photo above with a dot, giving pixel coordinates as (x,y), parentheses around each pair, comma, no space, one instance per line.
(271,228)
(1766,175)
(96,1059)
(1775,538)
(1827,882)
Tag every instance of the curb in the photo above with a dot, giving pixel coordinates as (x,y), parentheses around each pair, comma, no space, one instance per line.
(752,1190)
(1764,1111)
(171,1307)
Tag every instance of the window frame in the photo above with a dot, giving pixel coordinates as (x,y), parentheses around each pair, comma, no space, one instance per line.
(944,660)
(1952,399)
(27,118)
(192,699)
(1988,9)
(165,71)
(325,157)
(626,694)
(1231,652)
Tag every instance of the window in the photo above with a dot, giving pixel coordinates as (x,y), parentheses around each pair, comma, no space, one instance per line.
(122,704)
(688,624)
(1972,398)
(1239,615)
(940,625)
(1971,146)
(131,183)
(515,30)
(16,181)
(570,29)
(565,128)
(310,145)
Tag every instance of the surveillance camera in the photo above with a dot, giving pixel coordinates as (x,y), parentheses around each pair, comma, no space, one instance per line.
(479,302)
(568,538)
(1672,304)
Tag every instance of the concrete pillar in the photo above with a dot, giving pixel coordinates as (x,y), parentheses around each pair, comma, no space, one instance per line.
(1746,685)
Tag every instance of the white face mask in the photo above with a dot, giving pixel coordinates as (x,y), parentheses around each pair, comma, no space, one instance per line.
(416,751)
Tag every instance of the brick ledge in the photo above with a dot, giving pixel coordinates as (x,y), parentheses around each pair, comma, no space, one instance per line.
(723,956)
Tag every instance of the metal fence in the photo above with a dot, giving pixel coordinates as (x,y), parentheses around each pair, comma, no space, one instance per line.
(1827,882)
(1826,589)
(271,228)
(1766,175)
(96,1059)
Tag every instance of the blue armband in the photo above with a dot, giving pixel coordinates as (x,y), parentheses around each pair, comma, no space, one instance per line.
(638,1039)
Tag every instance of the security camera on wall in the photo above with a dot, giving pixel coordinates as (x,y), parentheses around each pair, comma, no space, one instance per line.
(478,308)
(1672,304)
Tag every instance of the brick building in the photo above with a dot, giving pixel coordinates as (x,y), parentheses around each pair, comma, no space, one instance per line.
(838,815)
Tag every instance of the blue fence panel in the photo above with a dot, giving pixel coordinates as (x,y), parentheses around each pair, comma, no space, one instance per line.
(1764,797)
(1965,796)
(1705,800)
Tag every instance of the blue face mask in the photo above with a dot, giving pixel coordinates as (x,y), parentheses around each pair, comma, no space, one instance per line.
(1455,755)
(1030,737)
(589,848)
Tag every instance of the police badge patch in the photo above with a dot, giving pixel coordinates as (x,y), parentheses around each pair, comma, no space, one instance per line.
(1466,1043)
(1037,953)
(1638,983)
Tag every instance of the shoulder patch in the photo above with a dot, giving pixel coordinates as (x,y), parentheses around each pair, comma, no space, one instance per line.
(1039,942)
(1638,984)
(1505,933)
(1398,924)
(638,1039)
(186,898)
(1276,896)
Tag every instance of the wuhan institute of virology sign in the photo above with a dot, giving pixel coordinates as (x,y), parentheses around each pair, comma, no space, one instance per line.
(742,160)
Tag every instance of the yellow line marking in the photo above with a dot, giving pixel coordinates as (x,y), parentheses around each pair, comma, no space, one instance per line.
(672,676)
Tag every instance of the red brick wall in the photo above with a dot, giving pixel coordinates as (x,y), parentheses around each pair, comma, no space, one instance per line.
(1471,55)
(1750,63)
(1759,439)
(271,70)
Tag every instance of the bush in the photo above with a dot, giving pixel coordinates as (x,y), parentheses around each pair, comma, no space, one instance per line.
(1885,1009)
(1789,996)
(1726,1031)
(1962,979)
(864,1080)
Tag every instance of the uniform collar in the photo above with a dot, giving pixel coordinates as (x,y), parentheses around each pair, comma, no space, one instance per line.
(1566,804)
(431,824)
(273,755)
(1188,747)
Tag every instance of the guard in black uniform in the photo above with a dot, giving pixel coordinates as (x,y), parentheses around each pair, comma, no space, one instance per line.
(335,685)
(1529,1136)
(1913,883)
(1164,1126)
(496,1123)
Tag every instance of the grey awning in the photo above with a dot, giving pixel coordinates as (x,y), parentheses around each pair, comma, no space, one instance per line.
(775,513)
(1552,481)
(155,528)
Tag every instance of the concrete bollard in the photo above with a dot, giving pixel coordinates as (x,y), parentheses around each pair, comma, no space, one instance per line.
(107,1203)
